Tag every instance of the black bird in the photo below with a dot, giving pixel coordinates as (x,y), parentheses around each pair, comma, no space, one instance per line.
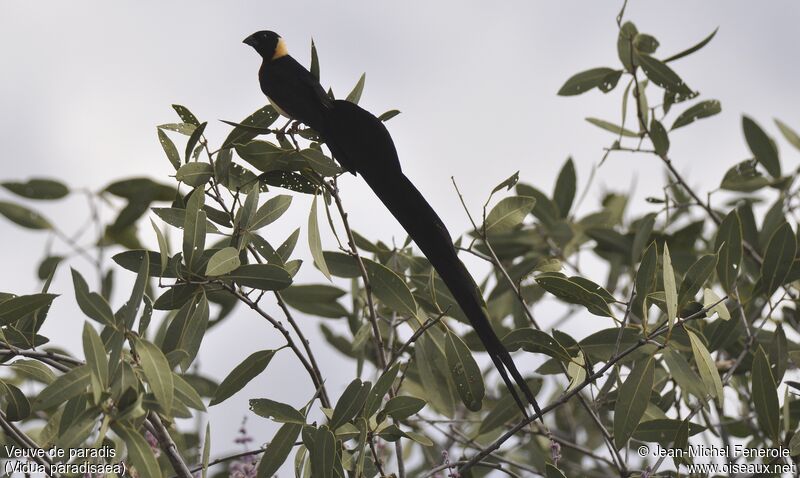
(362,144)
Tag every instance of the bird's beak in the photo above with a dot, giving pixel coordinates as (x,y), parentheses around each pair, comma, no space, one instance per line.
(251,40)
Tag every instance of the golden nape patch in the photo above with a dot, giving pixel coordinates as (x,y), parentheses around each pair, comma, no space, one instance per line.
(280,49)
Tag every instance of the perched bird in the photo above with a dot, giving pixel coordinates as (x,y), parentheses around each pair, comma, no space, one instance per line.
(362,145)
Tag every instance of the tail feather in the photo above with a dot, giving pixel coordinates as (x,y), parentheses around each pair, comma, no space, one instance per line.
(425,227)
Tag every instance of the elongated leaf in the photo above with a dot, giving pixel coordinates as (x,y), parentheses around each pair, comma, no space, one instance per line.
(315,299)
(350,403)
(157,371)
(693,49)
(659,136)
(634,395)
(261,276)
(194,234)
(762,146)
(390,289)
(662,75)
(64,387)
(765,395)
(95,355)
(788,133)
(612,127)
(707,367)
(277,411)
(23,216)
(242,374)
(381,388)
(402,407)
(278,450)
(710,299)
(323,453)
(625,38)
(315,242)
(505,411)
(38,188)
(571,292)
(15,308)
(701,110)
(195,173)
(194,138)
(262,118)
(169,149)
(355,95)
(508,213)
(535,341)
(465,372)
(270,211)
(320,163)
(91,303)
(585,81)
(729,250)
(139,452)
(186,394)
(223,261)
(18,407)
(778,258)
(695,277)
(682,373)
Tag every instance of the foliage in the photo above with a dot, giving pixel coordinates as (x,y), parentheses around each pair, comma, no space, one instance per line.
(698,306)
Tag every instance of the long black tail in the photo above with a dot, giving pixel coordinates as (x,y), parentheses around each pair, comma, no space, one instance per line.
(422,223)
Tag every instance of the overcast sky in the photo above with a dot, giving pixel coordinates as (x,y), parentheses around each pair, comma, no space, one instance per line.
(84,83)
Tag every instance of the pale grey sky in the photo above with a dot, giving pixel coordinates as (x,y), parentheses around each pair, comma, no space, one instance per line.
(84,83)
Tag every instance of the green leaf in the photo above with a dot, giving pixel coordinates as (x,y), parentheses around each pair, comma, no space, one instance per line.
(314,61)
(23,216)
(693,49)
(535,341)
(762,146)
(701,110)
(508,214)
(95,355)
(625,45)
(659,136)
(323,453)
(765,396)
(465,372)
(223,261)
(177,217)
(34,370)
(185,115)
(778,258)
(586,80)
(788,133)
(270,211)
(315,299)
(63,388)
(163,248)
(320,163)
(390,288)
(186,394)
(15,308)
(355,95)
(350,403)
(744,177)
(157,371)
(388,115)
(551,471)
(402,407)
(91,303)
(139,452)
(278,450)
(662,75)
(169,149)
(571,292)
(266,156)
(507,184)
(695,277)
(663,430)
(194,231)
(18,407)
(381,388)
(261,276)
(79,430)
(242,374)
(707,367)
(194,138)
(186,331)
(262,118)
(709,299)
(682,373)
(729,250)
(195,173)
(634,395)
(566,184)
(608,126)
(505,411)
(276,411)
(315,242)
(38,188)
(644,43)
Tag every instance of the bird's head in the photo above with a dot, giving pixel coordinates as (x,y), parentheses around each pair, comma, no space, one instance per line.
(268,44)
